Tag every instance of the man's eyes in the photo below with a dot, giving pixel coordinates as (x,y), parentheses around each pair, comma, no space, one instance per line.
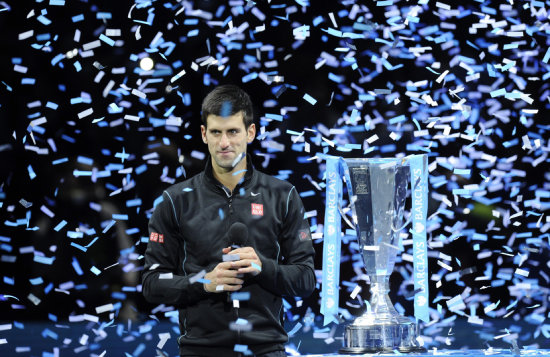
(232,131)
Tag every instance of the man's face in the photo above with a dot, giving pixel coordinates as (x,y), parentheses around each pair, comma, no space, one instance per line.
(226,138)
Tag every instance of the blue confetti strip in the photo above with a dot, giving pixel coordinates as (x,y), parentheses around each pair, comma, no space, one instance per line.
(310,99)
(60,225)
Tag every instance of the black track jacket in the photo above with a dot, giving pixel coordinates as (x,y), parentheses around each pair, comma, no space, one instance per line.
(187,232)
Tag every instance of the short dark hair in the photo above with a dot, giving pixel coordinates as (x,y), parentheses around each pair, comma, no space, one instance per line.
(226,100)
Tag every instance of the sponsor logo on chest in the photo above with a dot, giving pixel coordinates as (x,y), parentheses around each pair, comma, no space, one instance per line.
(257,209)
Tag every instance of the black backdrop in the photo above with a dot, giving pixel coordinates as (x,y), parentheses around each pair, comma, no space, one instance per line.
(67,168)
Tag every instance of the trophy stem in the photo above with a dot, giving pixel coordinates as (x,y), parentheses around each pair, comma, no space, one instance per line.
(380,302)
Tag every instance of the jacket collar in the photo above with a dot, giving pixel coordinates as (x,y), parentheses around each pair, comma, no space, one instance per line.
(247,178)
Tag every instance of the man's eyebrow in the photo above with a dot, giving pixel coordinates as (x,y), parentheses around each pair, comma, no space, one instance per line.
(227,129)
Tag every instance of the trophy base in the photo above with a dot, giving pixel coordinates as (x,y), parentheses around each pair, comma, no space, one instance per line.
(381,338)
(364,350)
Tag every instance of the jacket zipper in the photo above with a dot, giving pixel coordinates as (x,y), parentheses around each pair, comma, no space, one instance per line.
(238,331)
(236,309)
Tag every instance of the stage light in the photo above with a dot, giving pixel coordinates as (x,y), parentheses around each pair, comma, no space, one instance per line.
(146,64)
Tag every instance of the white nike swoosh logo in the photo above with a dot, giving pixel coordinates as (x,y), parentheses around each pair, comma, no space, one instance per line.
(254,194)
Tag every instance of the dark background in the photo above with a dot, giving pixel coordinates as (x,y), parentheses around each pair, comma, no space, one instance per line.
(517,180)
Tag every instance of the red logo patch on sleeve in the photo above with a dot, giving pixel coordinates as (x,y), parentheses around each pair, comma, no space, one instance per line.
(304,234)
(161,238)
(154,237)
(257,209)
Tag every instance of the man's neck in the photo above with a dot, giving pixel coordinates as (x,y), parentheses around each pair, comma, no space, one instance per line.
(228,178)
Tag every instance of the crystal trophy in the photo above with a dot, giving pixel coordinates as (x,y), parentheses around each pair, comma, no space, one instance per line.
(377,189)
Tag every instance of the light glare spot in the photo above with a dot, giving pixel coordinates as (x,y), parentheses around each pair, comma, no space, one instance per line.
(146,64)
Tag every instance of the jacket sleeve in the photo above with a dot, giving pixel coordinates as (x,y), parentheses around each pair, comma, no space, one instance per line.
(160,279)
(294,274)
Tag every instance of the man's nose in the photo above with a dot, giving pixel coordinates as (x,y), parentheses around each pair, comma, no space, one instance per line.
(224,141)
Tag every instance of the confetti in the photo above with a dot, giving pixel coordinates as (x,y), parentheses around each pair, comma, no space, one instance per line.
(100,138)
(310,99)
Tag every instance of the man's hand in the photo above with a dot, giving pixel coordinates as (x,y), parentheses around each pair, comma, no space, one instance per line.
(248,262)
(224,277)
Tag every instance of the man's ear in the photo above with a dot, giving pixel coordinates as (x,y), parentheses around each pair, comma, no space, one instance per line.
(251,132)
(203,134)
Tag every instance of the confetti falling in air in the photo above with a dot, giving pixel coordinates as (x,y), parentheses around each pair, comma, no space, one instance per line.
(100,107)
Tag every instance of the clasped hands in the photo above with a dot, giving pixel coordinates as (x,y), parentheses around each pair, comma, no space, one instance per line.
(228,276)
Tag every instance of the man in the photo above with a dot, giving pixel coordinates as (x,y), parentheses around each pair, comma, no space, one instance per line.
(193,228)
